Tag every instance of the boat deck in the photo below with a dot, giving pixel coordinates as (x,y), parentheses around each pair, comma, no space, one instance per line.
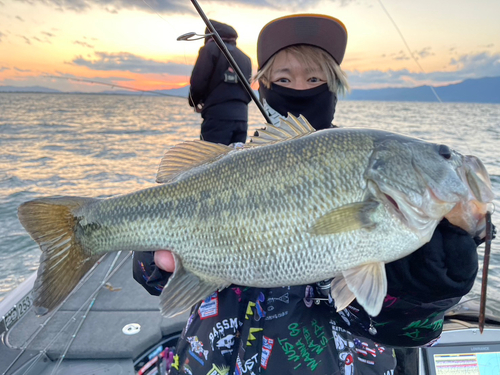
(98,322)
(110,322)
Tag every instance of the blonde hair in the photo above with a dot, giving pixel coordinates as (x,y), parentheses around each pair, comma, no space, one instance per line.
(311,57)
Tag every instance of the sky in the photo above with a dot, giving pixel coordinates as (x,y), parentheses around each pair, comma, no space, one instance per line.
(63,44)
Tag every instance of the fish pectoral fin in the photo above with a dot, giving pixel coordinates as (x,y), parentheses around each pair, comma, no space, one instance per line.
(369,284)
(340,292)
(188,155)
(346,218)
(183,290)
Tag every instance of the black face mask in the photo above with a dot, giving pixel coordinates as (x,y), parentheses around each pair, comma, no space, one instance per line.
(317,105)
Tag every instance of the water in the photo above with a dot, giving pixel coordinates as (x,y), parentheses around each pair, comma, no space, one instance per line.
(99,145)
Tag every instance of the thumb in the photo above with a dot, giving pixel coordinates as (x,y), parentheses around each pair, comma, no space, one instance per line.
(165,260)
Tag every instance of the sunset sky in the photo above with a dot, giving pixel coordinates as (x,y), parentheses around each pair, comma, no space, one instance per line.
(133,42)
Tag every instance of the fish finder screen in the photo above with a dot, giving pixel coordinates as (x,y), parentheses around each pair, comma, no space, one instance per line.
(473,363)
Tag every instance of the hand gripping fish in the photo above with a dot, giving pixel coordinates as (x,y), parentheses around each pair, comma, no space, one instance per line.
(295,206)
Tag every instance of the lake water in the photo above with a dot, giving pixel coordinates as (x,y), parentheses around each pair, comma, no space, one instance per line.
(102,145)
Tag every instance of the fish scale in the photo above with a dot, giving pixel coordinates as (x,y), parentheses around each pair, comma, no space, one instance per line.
(315,205)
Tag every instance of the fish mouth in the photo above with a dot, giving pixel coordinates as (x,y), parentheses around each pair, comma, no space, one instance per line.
(402,208)
(421,211)
(393,202)
(477,179)
(469,213)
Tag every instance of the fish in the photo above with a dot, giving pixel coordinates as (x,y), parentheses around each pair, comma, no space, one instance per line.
(292,207)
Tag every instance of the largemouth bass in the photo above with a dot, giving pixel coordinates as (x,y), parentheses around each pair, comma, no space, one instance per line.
(301,207)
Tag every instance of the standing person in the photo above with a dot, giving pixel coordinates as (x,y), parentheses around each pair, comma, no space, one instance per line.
(296,329)
(216,91)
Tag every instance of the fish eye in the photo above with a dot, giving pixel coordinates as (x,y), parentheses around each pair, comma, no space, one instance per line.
(444,151)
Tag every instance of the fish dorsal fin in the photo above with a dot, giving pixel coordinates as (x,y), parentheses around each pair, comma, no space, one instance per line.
(188,155)
(289,128)
(299,125)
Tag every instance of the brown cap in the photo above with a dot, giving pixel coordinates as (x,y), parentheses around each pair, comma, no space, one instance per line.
(317,30)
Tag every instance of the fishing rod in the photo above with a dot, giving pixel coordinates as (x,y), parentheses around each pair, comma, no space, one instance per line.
(486,264)
(408,48)
(110,85)
(218,40)
(489,227)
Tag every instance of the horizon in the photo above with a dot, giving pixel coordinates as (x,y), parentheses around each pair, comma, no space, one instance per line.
(123,89)
(133,44)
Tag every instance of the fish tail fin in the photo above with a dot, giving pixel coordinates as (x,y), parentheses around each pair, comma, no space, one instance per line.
(51,222)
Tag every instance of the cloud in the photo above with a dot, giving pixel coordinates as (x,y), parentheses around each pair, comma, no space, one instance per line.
(83,44)
(71,83)
(113,6)
(400,56)
(375,78)
(287,4)
(424,52)
(466,66)
(486,63)
(44,39)
(3,68)
(97,80)
(26,40)
(50,35)
(63,82)
(19,18)
(290,5)
(22,70)
(124,61)
(175,6)
(1,36)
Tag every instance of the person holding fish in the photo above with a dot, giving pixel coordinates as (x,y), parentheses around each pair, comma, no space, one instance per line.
(303,250)
(301,329)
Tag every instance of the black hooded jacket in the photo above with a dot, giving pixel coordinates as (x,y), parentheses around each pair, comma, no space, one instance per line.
(213,85)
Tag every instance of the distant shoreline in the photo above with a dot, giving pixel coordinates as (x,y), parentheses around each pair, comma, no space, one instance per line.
(479,90)
(91,93)
(150,95)
(185,97)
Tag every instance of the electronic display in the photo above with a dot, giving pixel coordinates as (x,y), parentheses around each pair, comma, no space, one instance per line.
(480,359)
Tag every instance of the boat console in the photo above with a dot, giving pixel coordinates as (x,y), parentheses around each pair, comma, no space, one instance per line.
(462,348)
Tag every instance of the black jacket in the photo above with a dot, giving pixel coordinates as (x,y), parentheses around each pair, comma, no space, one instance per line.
(213,85)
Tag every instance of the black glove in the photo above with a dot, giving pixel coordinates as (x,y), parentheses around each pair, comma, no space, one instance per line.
(146,273)
(443,268)
(479,241)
